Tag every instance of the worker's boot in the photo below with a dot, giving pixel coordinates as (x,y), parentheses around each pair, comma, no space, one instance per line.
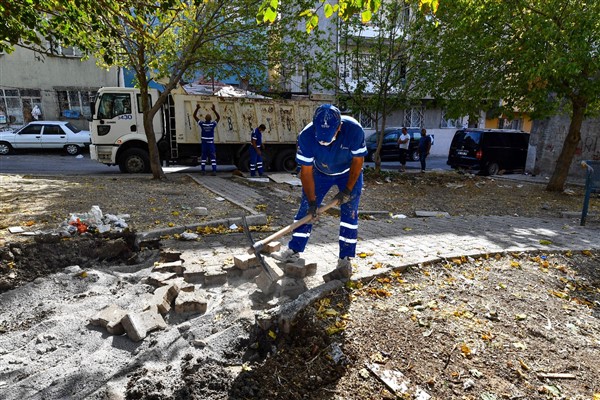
(342,272)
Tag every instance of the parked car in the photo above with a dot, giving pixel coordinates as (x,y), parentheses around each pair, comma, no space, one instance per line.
(389,146)
(489,150)
(45,135)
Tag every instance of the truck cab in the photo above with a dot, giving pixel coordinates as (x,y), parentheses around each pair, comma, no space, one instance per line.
(117,129)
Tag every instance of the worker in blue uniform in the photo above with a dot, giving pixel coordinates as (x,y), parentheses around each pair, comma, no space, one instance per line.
(330,152)
(256,151)
(207,136)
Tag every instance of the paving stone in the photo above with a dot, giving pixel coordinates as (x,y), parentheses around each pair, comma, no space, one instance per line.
(138,325)
(167,256)
(110,319)
(267,285)
(251,273)
(276,272)
(214,278)
(166,267)
(295,270)
(271,247)
(191,302)
(292,288)
(163,298)
(158,279)
(245,261)
(194,274)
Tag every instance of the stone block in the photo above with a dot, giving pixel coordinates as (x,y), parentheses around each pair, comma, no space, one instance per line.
(271,247)
(245,261)
(110,319)
(163,298)
(158,279)
(267,285)
(194,274)
(200,211)
(232,271)
(183,285)
(295,270)
(138,325)
(166,267)
(167,256)
(276,272)
(191,302)
(214,278)
(292,288)
(311,269)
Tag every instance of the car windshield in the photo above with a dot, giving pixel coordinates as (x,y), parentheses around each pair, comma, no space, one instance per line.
(73,128)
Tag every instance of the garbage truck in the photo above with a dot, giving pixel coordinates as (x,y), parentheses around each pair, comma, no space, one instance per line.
(119,138)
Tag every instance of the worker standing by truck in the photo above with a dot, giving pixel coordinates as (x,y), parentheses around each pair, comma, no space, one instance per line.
(207,136)
(256,160)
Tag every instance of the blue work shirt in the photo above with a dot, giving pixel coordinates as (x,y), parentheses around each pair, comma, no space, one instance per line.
(257,136)
(207,131)
(424,143)
(334,159)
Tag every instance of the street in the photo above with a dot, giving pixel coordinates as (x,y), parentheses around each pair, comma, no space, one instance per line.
(57,163)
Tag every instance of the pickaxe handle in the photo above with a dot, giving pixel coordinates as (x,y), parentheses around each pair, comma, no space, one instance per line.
(284,231)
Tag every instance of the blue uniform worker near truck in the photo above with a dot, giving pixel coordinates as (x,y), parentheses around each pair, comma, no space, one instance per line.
(331,152)
(207,135)
(256,149)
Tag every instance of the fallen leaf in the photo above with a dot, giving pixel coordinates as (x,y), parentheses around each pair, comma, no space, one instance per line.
(521,317)
(272,335)
(586,253)
(544,242)
(465,350)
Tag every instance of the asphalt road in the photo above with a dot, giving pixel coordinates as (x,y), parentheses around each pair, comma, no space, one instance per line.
(57,163)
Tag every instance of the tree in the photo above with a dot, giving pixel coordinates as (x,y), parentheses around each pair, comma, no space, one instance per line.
(537,56)
(374,74)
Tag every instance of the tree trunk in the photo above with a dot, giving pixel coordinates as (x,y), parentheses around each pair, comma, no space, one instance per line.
(157,171)
(563,163)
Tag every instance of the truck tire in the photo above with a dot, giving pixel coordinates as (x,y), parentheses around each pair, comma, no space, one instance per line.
(134,161)
(286,161)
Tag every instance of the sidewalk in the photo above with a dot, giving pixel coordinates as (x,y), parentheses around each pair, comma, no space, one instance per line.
(393,243)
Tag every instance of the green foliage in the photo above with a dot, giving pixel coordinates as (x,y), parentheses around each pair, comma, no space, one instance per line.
(345,9)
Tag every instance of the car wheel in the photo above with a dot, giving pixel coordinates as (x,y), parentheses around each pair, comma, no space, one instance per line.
(492,168)
(134,161)
(414,156)
(5,148)
(371,156)
(72,149)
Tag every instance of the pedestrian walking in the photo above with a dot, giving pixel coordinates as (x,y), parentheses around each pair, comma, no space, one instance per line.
(331,152)
(207,137)
(424,148)
(403,143)
(256,149)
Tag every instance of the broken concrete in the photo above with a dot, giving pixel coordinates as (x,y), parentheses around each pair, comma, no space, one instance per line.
(110,319)
(191,302)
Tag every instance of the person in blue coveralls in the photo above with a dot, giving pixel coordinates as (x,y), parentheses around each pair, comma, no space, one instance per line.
(207,136)
(256,149)
(330,152)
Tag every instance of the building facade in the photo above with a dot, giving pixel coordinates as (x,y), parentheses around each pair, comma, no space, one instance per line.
(61,86)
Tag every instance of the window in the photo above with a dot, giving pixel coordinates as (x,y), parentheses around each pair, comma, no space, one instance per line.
(113,105)
(53,130)
(31,130)
(76,100)
(365,121)
(505,123)
(18,103)
(414,116)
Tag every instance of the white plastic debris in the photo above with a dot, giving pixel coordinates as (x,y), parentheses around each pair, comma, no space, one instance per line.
(189,236)
(233,226)
(398,216)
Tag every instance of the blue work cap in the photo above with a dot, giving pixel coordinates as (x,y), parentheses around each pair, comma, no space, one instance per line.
(326,121)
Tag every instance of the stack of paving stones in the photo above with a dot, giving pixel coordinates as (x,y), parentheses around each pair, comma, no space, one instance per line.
(283,279)
(176,289)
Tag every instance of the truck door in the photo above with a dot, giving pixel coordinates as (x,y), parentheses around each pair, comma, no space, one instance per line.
(115,115)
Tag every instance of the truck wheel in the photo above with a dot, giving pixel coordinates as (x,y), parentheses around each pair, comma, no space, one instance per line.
(492,168)
(134,161)
(286,161)
(243,163)
(5,148)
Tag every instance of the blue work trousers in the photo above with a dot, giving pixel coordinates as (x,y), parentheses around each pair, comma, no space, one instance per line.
(208,150)
(256,162)
(348,214)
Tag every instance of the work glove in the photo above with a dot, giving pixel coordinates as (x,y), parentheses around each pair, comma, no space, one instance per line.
(342,196)
(312,209)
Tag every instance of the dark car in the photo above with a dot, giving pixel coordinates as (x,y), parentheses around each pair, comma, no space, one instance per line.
(389,146)
(489,150)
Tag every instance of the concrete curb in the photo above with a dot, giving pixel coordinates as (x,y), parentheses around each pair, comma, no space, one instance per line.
(257,219)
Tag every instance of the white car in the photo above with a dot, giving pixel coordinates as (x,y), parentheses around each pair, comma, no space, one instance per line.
(45,135)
